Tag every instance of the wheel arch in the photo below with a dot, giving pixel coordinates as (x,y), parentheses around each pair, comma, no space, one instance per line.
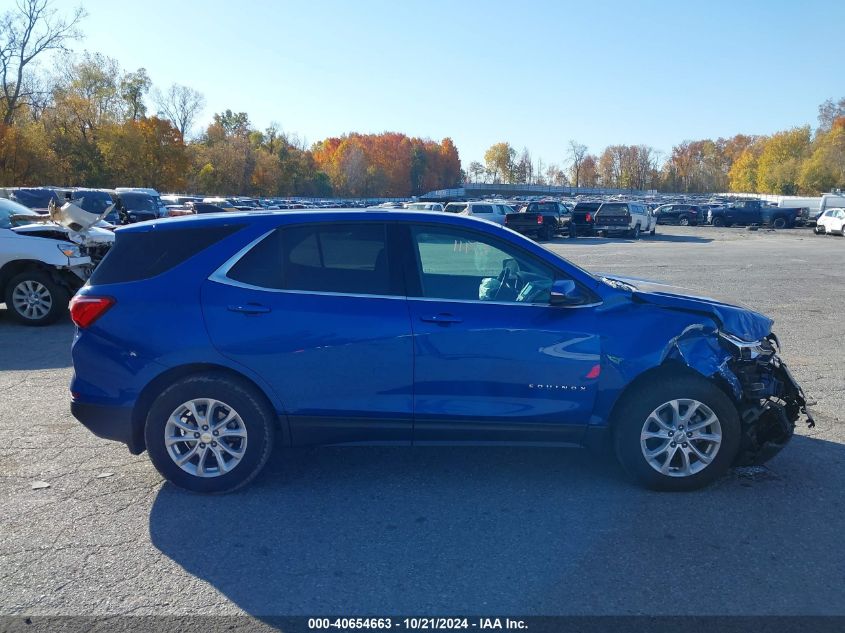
(16,267)
(670,368)
(153,388)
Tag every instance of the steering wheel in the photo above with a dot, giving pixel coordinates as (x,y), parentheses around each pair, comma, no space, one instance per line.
(507,279)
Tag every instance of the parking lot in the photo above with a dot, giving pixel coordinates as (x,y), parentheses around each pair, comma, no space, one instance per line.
(448,531)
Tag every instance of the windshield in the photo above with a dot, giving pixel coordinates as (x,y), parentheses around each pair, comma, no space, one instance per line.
(36,198)
(138,202)
(92,201)
(9,209)
(454,207)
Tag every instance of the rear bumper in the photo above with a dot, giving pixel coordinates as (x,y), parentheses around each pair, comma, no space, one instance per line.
(526,230)
(610,228)
(110,423)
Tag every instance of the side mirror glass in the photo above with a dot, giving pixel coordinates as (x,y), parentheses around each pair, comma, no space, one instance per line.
(565,293)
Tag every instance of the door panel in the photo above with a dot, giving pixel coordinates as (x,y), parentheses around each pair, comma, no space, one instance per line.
(319,312)
(341,365)
(502,372)
(492,360)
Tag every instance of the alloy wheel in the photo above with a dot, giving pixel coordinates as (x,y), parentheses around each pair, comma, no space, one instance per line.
(32,300)
(205,437)
(681,437)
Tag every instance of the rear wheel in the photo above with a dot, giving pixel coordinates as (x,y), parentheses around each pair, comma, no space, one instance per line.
(546,233)
(718,222)
(676,433)
(209,433)
(779,223)
(635,233)
(34,299)
(684,221)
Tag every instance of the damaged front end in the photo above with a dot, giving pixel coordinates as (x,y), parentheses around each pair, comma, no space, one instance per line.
(768,398)
(771,400)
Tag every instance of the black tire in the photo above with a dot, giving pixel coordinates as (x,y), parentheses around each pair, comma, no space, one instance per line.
(635,234)
(779,223)
(58,297)
(717,221)
(545,234)
(683,221)
(633,411)
(251,406)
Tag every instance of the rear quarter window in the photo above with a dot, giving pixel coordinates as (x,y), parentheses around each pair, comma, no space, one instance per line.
(136,256)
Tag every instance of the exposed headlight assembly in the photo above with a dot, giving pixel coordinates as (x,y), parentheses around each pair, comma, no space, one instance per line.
(69,250)
(748,350)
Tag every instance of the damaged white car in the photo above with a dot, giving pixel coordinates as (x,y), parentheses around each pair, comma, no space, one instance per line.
(44,260)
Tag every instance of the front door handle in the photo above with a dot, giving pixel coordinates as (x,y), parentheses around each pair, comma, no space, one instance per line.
(443,317)
(249,308)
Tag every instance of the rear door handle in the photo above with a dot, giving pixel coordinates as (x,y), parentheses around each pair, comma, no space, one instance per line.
(249,308)
(443,317)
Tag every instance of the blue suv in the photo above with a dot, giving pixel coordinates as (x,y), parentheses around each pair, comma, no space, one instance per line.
(207,340)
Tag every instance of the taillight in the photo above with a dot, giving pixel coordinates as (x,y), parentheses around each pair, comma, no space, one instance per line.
(539,219)
(85,309)
(589,218)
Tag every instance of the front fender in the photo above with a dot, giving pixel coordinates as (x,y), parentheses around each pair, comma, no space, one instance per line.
(634,341)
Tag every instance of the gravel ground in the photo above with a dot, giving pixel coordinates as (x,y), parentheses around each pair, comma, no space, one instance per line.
(427,531)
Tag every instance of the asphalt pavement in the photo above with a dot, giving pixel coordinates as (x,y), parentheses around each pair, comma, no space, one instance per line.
(444,531)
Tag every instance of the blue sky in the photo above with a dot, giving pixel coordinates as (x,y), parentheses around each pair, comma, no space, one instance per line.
(535,74)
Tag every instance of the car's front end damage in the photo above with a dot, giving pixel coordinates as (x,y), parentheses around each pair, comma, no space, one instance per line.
(769,401)
(735,347)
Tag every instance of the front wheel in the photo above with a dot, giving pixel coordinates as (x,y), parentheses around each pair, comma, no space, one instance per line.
(209,433)
(676,433)
(779,223)
(718,222)
(35,299)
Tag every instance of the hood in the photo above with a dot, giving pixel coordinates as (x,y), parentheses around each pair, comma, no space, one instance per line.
(69,222)
(76,218)
(737,320)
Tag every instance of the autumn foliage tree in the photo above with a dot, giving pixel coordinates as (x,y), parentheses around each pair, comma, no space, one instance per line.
(387,165)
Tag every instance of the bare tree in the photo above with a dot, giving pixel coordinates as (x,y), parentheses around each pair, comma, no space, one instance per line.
(829,111)
(577,152)
(26,32)
(182,105)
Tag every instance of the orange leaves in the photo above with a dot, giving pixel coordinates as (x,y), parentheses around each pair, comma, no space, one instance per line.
(387,165)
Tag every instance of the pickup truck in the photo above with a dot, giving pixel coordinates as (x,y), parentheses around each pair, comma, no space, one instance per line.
(542,220)
(583,217)
(757,212)
(630,219)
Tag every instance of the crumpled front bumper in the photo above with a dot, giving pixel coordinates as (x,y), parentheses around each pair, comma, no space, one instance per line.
(772,402)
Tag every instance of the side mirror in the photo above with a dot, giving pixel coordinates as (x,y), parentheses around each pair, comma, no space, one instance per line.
(565,293)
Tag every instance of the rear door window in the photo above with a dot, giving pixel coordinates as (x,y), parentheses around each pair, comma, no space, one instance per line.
(336,258)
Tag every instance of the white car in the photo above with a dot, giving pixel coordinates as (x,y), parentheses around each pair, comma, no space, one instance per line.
(831,221)
(44,260)
(484,210)
(424,206)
